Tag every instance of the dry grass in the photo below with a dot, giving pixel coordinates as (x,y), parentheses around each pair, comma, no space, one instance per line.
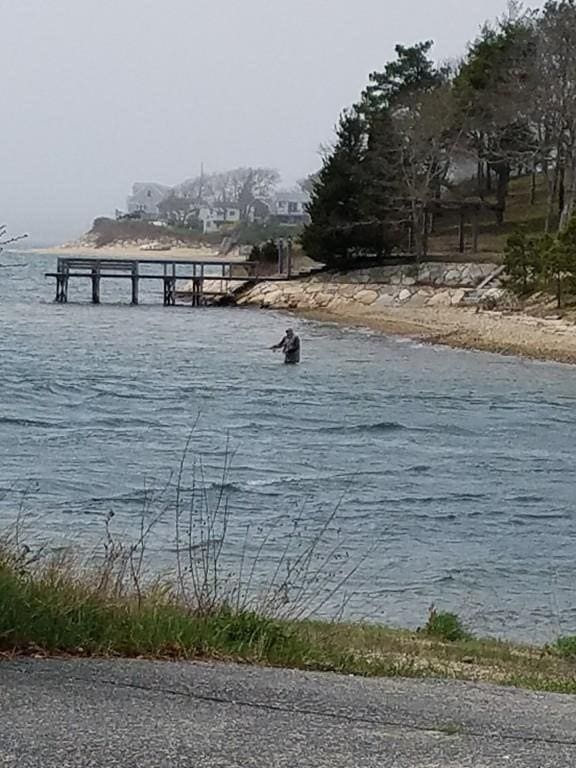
(117,604)
(492,239)
(378,651)
(60,608)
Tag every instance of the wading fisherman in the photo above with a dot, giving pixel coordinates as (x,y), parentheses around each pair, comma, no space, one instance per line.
(290,345)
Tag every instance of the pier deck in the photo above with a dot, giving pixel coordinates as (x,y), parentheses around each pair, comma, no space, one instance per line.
(219,271)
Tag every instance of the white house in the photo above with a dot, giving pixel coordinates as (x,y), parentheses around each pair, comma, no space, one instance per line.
(289,207)
(146,196)
(216,217)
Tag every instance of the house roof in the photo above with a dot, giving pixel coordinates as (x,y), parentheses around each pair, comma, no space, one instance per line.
(291,196)
(142,186)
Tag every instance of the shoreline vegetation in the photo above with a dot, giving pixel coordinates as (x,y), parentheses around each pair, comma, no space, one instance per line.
(60,608)
(258,597)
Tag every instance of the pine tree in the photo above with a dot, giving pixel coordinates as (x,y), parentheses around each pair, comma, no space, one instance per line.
(355,209)
(335,205)
(560,261)
(524,260)
(383,202)
(494,95)
(407,106)
(412,72)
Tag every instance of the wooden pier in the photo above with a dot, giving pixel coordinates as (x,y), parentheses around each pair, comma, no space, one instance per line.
(168,272)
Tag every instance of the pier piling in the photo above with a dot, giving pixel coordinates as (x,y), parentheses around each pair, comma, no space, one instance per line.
(135,284)
(62,282)
(219,274)
(96,285)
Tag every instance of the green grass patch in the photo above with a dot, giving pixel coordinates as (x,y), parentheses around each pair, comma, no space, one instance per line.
(57,609)
(446,626)
(566,647)
(521,211)
(60,613)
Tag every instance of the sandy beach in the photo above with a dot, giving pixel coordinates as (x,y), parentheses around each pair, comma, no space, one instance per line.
(465,328)
(135,252)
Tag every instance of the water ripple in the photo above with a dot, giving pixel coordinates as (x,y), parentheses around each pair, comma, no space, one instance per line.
(452,471)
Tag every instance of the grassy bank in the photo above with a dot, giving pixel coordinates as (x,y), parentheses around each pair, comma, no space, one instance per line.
(521,211)
(60,609)
(250,597)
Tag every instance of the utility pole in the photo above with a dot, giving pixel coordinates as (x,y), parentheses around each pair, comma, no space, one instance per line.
(201,189)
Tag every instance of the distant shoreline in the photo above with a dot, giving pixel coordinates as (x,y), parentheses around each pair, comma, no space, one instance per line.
(130,252)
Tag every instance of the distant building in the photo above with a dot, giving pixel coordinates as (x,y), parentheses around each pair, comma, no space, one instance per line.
(289,207)
(214,218)
(157,202)
(259,211)
(146,197)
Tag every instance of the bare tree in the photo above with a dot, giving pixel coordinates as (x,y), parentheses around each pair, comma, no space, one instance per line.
(556,59)
(240,187)
(492,87)
(243,186)
(430,146)
(177,209)
(197,190)
(5,240)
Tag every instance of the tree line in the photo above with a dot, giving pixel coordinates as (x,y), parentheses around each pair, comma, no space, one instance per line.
(543,263)
(240,187)
(508,107)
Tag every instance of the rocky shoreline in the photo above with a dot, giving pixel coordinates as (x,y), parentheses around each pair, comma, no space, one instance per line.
(428,284)
(460,305)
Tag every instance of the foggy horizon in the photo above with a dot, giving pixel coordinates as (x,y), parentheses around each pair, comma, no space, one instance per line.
(99,97)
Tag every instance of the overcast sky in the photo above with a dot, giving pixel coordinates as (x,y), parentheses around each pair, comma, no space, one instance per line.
(98,94)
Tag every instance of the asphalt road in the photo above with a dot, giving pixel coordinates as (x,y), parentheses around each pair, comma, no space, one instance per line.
(103,714)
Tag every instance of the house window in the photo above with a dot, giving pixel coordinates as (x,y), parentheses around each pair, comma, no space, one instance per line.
(293,208)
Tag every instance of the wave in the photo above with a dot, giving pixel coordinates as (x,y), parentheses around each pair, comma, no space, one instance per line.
(527,498)
(540,516)
(272,486)
(121,422)
(444,498)
(419,469)
(449,517)
(378,426)
(20,422)
(396,426)
(128,395)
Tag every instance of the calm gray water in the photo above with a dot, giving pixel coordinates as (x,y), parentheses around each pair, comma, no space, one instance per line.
(453,472)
